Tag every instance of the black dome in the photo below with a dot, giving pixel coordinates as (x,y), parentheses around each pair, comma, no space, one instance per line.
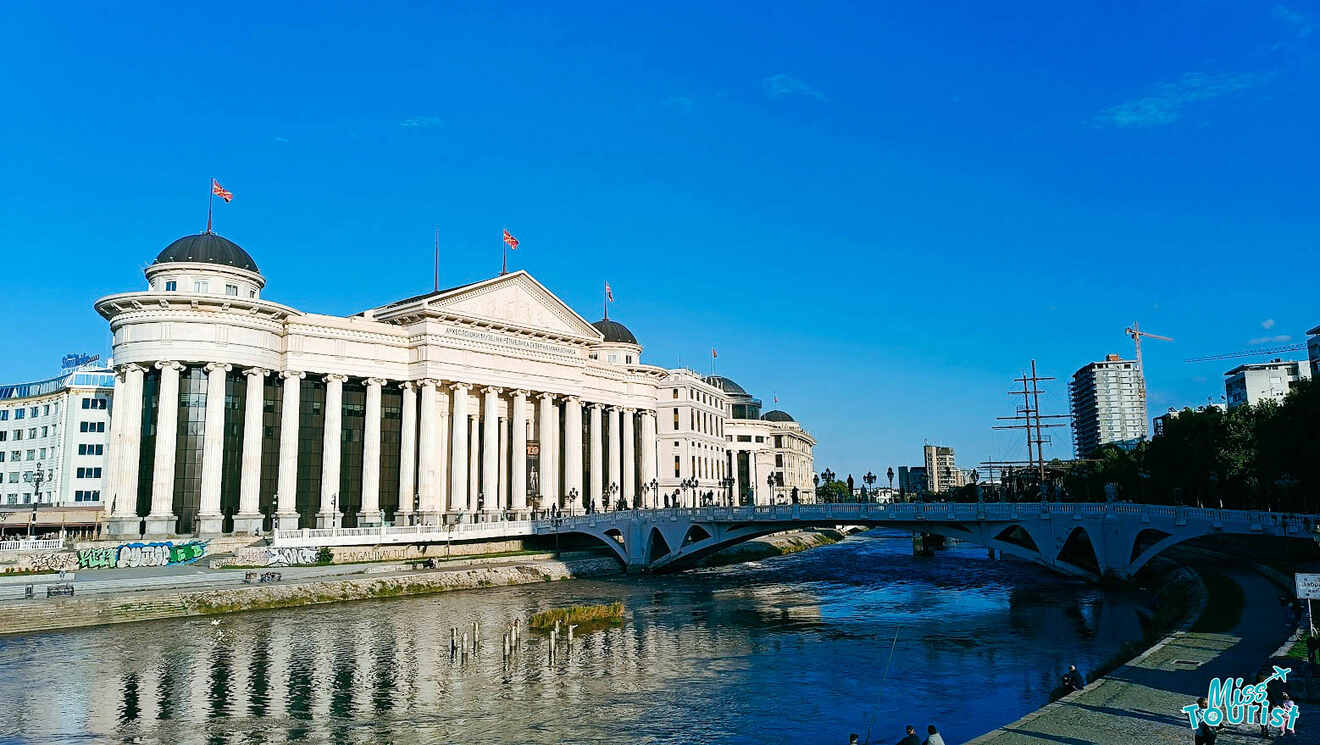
(724,384)
(777,416)
(207,248)
(615,331)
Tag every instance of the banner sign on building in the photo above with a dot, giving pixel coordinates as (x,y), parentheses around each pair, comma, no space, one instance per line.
(70,361)
(533,469)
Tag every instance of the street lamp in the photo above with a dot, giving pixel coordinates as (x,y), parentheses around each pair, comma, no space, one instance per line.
(37,479)
(770,482)
(890,474)
(610,491)
(572,499)
(869,479)
(727,483)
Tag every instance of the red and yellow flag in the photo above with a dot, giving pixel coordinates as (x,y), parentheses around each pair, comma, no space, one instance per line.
(510,240)
(220,191)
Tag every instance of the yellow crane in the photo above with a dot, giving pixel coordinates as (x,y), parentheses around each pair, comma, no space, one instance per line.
(1136,333)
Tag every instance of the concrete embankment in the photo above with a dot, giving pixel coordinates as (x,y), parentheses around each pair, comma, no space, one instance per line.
(62,613)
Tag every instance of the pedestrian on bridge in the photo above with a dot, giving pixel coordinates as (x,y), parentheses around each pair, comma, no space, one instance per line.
(911,737)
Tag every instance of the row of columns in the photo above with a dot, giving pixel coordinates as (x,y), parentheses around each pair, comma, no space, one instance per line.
(429,434)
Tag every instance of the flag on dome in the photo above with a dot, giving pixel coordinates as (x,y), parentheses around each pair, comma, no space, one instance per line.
(220,191)
(609,294)
(510,240)
(713,353)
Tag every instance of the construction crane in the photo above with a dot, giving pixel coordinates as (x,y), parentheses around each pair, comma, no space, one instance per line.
(1136,333)
(1249,353)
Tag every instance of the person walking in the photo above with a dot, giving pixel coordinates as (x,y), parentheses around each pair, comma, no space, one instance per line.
(1204,734)
(933,736)
(911,737)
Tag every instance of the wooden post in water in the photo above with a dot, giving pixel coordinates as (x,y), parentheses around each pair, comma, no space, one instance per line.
(476,635)
(463,649)
(453,639)
(571,626)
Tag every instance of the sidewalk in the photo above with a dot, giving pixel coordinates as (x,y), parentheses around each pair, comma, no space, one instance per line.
(1140,703)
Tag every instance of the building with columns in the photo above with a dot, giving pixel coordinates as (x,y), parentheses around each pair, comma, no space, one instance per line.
(694,460)
(236,413)
(770,455)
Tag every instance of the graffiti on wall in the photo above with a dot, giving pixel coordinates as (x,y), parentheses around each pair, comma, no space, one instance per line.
(154,554)
(59,561)
(284,557)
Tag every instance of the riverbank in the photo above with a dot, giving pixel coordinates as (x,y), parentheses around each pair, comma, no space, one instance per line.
(1141,701)
(23,617)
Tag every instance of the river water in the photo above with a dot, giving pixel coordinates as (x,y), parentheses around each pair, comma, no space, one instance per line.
(795,649)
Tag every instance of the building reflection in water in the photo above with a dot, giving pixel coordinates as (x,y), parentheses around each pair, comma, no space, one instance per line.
(797,645)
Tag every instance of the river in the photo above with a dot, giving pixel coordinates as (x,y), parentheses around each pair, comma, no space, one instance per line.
(794,649)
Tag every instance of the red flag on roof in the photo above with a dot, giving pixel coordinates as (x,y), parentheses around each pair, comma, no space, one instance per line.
(609,294)
(220,191)
(510,240)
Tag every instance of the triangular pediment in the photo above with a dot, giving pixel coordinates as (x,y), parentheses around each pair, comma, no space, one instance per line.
(514,300)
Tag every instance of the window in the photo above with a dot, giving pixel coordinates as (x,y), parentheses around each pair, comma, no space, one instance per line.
(20,413)
(171,286)
(44,431)
(93,495)
(91,426)
(32,455)
(32,433)
(45,410)
(42,454)
(677,464)
(86,449)
(4,435)
(34,412)
(675,393)
(201,286)
(2,457)
(4,415)
(231,290)
(252,293)
(89,472)
(675,420)
(13,476)
(18,434)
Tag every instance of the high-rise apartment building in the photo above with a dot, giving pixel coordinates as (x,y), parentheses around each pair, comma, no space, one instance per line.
(1108,404)
(942,471)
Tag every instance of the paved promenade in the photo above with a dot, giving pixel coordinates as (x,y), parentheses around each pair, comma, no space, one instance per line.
(1139,703)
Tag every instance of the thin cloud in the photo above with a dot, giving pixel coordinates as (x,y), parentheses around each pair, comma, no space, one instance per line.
(281,139)
(1267,324)
(783,85)
(422,122)
(1166,104)
(1298,22)
(1280,339)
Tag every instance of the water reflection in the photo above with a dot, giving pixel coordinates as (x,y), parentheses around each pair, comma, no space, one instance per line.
(795,649)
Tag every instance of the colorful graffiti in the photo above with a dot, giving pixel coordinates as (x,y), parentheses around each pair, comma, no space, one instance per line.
(154,554)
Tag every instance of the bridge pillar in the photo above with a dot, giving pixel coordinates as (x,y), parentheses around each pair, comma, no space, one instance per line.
(634,540)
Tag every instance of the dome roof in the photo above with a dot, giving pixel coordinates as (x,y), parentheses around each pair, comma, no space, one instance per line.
(777,416)
(207,248)
(724,384)
(615,332)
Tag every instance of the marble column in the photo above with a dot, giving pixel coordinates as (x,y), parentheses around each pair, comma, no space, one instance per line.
(328,517)
(737,483)
(286,492)
(615,477)
(518,433)
(114,442)
(128,409)
(648,458)
(546,423)
(627,489)
(573,450)
(442,452)
(248,518)
(597,459)
(407,453)
(427,471)
(474,461)
(490,449)
(458,449)
(213,450)
(371,454)
(503,476)
(160,521)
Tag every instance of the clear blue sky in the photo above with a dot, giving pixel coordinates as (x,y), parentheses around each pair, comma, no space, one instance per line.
(879,213)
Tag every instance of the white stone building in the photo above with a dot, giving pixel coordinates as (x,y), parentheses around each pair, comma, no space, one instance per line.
(694,461)
(56,428)
(770,455)
(490,398)
(1263,381)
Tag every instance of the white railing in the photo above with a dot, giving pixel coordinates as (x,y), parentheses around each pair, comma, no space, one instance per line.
(311,537)
(32,544)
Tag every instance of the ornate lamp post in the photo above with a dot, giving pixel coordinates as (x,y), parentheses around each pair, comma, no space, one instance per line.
(610,491)
(37,479)
(869,479)
(890,474)
(572,500)
(770,482)
(727,483)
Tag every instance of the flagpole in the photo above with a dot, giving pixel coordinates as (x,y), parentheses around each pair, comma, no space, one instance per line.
(606,300)
(435,282)
(504,255)
(210,204)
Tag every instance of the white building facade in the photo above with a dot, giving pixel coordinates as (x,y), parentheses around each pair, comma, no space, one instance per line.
(53,436)
(694,460)
(1107,400)
(237,413)
(1263,381)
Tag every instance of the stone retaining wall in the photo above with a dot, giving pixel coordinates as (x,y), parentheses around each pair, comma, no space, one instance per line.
(266,556)
(21,617)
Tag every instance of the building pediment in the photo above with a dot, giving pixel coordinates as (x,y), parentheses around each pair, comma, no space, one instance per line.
(513,301)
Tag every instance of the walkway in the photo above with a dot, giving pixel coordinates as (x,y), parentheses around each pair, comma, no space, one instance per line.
(1140,703)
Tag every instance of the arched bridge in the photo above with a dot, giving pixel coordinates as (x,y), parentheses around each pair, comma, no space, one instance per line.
(1084,540)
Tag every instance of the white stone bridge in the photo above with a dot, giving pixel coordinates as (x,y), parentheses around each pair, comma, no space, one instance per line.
(1081,539)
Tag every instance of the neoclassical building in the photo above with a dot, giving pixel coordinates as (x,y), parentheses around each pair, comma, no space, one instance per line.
(235,413)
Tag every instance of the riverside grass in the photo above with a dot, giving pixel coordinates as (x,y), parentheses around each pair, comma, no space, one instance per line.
(586,617)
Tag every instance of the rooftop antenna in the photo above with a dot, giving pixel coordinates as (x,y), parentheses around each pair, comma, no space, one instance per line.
(435,283)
